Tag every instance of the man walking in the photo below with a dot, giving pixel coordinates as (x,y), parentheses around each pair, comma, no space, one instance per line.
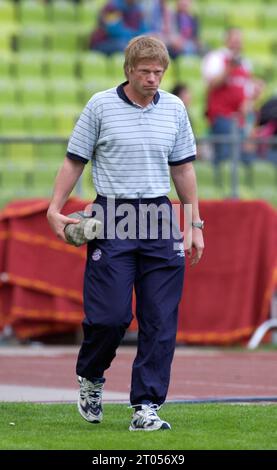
(131,134)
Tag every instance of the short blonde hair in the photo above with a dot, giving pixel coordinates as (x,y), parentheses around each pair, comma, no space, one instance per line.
(145,48)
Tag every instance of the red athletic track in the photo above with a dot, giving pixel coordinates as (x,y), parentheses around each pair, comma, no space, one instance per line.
(197,374)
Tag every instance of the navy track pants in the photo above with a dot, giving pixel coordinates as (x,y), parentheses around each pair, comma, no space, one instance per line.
(155,269)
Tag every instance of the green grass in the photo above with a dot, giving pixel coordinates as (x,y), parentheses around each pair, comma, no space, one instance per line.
(201,426)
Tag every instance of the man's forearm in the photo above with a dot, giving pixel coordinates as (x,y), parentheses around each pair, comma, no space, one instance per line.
(184,179)
(66,179)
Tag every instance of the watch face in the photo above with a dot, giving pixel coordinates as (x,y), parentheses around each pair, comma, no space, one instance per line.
(198,224)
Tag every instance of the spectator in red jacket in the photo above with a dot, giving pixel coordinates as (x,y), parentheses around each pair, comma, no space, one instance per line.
(231,91)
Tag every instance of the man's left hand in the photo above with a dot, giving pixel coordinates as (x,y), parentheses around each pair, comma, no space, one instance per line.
(197,246)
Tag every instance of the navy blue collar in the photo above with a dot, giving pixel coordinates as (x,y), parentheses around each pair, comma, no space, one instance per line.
(121,93)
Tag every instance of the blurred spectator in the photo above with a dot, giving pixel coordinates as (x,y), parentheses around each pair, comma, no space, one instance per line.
(185,37)
(267,114)
(177,28)
(266,126)
(231,92)
(158,18)
(182,91)
(119,21)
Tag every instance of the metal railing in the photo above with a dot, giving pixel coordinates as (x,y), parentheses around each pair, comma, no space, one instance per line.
(28,165)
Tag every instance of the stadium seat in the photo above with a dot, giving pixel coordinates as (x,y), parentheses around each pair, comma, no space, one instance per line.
(7,65)
(212,37)
(61,65)
(62,11)
(65,119)
(262,64)
(170,77)
(43,180)
(8,93)
(94,85)
(11,122)
(21,155)
(7,13)
(39,121)
(32,39)
(64,39)
(168,83)
(87,15)
(33,92)
(188,68)
(269,17)
(93,65)
(245,17)
(6,41)
(30,65)
(213,17)
(50,151)
(20,168)
(258,43)
(64,93)
(115,66)
(32,12)
(198,121)
(12,182)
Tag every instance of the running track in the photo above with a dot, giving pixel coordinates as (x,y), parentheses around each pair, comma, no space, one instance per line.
(47,374)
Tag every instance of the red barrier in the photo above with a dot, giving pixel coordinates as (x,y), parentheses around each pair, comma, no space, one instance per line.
(226,296)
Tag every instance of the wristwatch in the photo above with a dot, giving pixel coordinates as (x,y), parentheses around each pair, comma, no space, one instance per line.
(199,224)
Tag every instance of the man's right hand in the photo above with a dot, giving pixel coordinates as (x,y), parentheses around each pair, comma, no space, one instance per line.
(58,222)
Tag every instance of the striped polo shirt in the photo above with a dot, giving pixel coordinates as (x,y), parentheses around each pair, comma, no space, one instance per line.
(130,146)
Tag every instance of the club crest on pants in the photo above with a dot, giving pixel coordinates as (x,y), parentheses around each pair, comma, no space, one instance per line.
(96,255)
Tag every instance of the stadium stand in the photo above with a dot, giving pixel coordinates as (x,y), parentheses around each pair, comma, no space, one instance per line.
(49,39)
(47,69)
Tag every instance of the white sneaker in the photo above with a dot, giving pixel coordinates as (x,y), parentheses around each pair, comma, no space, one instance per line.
(90,399)
(145,418)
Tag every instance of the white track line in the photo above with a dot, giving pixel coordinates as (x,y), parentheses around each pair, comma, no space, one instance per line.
(25,393)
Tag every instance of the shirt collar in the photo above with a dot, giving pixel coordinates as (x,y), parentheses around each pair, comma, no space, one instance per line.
(121,93)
